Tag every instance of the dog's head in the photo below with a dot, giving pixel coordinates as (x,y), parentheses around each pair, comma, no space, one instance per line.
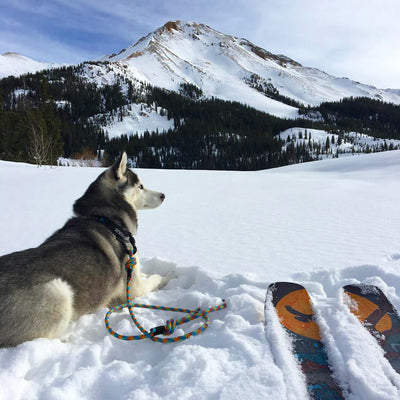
(117,191)
(131,187)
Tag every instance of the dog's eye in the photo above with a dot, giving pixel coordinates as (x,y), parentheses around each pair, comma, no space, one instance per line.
(140,186)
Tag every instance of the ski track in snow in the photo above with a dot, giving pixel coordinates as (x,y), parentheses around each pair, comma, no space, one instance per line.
(221,235)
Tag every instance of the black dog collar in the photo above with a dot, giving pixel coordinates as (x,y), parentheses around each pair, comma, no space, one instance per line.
(123,236)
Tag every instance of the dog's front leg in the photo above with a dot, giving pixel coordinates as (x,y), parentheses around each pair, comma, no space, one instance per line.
(139,286)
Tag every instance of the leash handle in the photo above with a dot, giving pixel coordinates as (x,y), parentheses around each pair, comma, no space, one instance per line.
(170,325)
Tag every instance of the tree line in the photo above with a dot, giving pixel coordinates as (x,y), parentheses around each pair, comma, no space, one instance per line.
(62,112)
(359,114)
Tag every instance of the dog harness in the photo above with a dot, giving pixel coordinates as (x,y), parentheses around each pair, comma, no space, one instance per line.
(124,237)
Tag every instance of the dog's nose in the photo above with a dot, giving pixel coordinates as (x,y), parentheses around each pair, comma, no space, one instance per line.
(162,196)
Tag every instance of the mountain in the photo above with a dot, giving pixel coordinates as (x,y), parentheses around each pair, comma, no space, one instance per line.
(187,96)
(14,64)
(222,66)
(232,68)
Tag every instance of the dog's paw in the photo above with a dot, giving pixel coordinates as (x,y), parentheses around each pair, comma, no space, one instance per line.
(165,280)
(154,282)
(157,281)
(141,287)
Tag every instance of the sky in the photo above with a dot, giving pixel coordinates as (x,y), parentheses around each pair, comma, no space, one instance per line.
(346,38)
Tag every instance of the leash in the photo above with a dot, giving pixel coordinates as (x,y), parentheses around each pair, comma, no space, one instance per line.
(169,327)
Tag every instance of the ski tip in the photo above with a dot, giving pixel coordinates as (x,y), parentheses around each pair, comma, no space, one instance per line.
(279,290)
(285,285)
(362,289)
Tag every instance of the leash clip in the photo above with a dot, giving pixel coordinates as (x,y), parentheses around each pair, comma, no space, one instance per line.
(158,330)
(167,329)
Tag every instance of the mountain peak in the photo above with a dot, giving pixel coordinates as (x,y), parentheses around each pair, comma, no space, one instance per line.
(179,31)
(171,26)
(16,64)
(180,26)
(12,54)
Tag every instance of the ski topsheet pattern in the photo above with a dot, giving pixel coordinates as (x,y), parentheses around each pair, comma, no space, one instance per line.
(377,314)
(294,309)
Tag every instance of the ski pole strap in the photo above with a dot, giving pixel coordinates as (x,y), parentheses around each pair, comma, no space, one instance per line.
(169,326)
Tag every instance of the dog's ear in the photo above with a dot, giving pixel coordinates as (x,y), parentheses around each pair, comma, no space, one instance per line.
(119,166)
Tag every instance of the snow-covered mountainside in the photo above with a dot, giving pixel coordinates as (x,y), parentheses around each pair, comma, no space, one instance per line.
(135,119)
(322,144)
(221,234)
(233,68)
(223,66)
(16,64)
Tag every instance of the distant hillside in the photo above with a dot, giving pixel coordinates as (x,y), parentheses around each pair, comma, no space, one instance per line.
(223,66)
(94,108)
(14,64)
(187,96)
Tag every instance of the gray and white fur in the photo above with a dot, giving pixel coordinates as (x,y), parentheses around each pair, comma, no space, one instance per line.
(81,267)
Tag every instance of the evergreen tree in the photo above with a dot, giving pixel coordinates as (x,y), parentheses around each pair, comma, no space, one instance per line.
(327,145)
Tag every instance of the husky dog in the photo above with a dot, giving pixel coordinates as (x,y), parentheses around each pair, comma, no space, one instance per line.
(81,267)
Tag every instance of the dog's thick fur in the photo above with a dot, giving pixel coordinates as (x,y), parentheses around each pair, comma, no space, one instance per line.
(81,267)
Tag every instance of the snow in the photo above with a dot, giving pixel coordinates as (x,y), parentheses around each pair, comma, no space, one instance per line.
(16,64)
(222,235)
(137,119)
(20,92)
(220,64)
(351,141)
(63,103)
(81,162)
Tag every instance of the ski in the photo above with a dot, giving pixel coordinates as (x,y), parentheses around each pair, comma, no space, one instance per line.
(294,309)
(377,314)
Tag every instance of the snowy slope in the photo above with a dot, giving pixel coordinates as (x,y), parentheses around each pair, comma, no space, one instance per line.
(351,142)
(136,119)
(223,235)
(16,64)
(223,65)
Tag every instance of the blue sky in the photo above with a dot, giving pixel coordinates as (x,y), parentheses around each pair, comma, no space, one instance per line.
(351,38)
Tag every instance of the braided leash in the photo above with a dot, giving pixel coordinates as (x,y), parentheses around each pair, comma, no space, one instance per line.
(170,325)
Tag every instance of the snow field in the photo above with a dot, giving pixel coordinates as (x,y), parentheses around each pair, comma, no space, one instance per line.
(16,64)
(220,235)
(350,141)
(137,119)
